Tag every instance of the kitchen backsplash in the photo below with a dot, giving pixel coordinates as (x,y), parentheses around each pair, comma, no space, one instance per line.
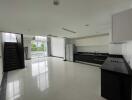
(98,49)
(115,49)
(127,52)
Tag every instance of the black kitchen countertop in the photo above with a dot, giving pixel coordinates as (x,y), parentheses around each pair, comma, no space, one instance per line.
(91,53)
(117,64)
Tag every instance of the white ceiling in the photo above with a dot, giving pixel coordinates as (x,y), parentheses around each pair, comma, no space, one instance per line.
(41,17)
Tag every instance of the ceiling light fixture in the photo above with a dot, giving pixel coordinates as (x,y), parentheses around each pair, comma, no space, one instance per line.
(86,25)
(56,2)
(69,30)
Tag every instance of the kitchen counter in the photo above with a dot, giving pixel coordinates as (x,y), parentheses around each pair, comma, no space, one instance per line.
(116,79)
(118,65)
(91,57)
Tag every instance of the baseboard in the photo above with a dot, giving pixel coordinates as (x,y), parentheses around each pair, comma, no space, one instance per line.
(57,57)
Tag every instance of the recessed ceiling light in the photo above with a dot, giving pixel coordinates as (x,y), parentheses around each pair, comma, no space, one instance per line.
(86,25)
(65,29)
(56,2)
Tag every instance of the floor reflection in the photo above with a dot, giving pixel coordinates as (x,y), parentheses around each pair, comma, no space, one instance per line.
(14,90)
(40,71)
(43,82)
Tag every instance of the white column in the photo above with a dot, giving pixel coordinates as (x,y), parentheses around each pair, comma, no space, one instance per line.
(1,59)
(27,43)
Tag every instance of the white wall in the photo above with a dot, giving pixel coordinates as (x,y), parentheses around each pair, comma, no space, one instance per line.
(93,44)
(57,47)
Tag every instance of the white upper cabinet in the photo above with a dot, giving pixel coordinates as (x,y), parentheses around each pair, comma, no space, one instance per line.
(122,26)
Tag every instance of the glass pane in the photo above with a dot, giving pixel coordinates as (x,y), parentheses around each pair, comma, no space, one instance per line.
(9,37)
(39,47)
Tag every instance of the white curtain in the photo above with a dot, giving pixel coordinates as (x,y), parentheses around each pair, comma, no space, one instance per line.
(58,47)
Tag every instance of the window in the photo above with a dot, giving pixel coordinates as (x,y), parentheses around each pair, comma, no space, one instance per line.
(9,37)
(40,38)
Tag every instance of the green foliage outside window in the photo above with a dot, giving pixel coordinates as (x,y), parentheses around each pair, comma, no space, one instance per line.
(35,48)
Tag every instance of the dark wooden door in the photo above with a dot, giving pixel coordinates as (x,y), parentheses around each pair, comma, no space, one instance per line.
(20,50)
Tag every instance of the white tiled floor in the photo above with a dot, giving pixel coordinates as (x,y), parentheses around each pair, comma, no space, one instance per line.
(54,79)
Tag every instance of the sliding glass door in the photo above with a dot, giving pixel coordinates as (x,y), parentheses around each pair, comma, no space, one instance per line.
(39,47)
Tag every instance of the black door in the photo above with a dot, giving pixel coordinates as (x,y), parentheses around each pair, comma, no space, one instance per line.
(14,54)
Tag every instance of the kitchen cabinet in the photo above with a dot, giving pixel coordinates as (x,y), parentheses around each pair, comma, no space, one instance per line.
(1,70)
(116,79)
(122,26)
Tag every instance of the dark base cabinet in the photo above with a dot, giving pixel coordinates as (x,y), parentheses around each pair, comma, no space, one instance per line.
(115,86)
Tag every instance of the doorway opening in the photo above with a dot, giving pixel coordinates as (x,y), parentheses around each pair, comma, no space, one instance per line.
(39,47)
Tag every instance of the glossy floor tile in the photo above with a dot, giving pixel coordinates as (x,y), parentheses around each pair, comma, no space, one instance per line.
(54,79)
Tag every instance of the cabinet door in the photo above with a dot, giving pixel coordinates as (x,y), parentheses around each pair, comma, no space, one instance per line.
(67,52)
(71,52)
(1,62)
(110,86)
(1,70)
(122,26)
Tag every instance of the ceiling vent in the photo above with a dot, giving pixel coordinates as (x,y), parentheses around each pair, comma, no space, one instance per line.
(68,30)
